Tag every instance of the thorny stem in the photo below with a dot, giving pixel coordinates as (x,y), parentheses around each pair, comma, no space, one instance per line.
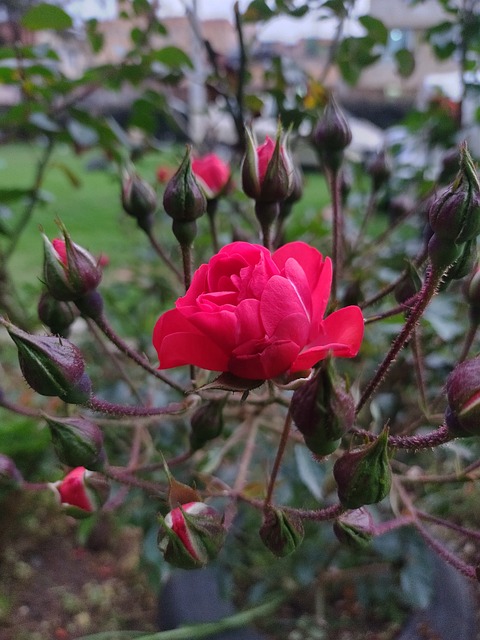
(427,441)
(466,475)
(468,533)
(385,527)
(113,409)
(278,458)
(104,326)
(187,260)
(119,474)
(337,231)
(163,256)
(426,294)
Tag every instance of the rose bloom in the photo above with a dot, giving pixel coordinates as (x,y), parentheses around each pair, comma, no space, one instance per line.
(212,173)
(258,315)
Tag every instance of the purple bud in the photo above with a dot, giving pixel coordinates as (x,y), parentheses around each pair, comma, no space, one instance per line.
(379,170)
(78,442)
(51,366)
(463,395)
(331,136)
(139,199)
(354,528)
(281,532)
(184,199)
(55,314)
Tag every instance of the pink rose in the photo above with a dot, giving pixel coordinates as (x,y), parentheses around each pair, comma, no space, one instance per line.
(213,174)
(258,315)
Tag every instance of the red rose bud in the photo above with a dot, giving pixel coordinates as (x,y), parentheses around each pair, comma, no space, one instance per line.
(354,528)
(55,314)
(323,411)
(331,136)
(78,442)
(463,396)
(379,170)
(267,170)
(206,423)
(455,215)
(81,492)
(69,271)
(139,199)
(10,476)
(363,476)
(191,535)
(212,173)
(280,532)
(184,199)
(51,366)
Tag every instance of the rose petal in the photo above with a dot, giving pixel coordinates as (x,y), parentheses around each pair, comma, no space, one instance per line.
(279,299)
(262,360)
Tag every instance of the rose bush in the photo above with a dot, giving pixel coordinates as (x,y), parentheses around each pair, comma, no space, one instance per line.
(258,315)
(213,174)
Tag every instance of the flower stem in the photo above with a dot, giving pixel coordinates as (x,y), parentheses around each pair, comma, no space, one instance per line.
(337,231)
(113,409)
(470,337)
(278,458)
(187,259)
(161,253)
(427,441)
(120,475)
(428,291)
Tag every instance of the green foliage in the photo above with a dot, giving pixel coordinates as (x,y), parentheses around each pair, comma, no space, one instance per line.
(46,16)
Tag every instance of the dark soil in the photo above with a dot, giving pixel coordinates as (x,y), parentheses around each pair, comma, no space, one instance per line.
(53,588)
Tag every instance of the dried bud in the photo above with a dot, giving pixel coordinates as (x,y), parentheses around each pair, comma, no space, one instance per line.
(51,366)
(10,476)
(81,492)
(331,136)
(363,476)
(455,215)
(463,396)
(280,532)
(69,271)
(323,411)
(206,423)
(267,170)
(191,535)
(78,442)
(379,170)
(139,199)
(184,199)
(354,528)
(55,314)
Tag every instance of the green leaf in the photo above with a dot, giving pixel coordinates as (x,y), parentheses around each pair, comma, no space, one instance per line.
(172,57)
(254,103)
(375,28)
(258,10)
(405,62)
(95,38)
(10,195)
(46,16)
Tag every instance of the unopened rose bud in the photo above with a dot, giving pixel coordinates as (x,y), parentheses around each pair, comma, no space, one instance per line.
(139,199)
(443,252)
(58,316)
(455,215)
(69,271)
(354,528)
(81,492)
(379,170)
(212,173)
(463,396)
(206,423)
(78,442)
(281,532)
(323,411)
(331,136)
(51,366)
(191,535)
(267,170)
(363,476)
(10,476)
(184,201)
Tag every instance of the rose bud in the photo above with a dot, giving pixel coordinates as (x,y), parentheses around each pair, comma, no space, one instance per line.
(212,173)
(463,396)
(78,442)
(363,476)
(280,532)
(55,314)
(331,136)
(379,170)
(455,215)
(10,476)
(69,271)
(464,264)
(267,170)
(443,252)
(184,201)
(51,366)
(191,535)
(81,492)
(323,411)
(354,528)
(139,199)
(206,423)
